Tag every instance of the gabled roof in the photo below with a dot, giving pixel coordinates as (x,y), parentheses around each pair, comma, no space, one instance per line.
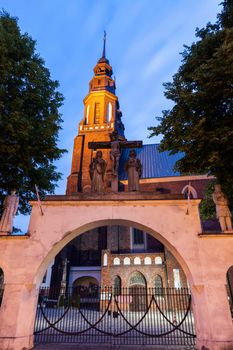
(154,163)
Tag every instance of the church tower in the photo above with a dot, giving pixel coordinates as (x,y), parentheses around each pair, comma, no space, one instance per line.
(102,116)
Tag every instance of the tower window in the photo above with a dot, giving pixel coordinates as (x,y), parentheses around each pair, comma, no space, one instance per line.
(138,236)
(87,115)
(109,112)
(97,113)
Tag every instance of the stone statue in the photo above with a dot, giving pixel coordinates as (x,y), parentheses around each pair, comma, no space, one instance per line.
(10,207)
(97,172)
(222,210)
(116,144)
(115,152)
(133,168)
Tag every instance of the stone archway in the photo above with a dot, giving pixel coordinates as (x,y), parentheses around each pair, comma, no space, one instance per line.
(166,220)
(95,224)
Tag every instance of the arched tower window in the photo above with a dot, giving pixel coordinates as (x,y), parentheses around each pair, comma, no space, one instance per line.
(230,288)
(109,112)
(1,285)
(188,189)
(117,285)
(158,285)
(87,115)
(97,113)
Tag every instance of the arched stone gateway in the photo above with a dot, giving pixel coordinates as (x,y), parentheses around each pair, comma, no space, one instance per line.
(24,260)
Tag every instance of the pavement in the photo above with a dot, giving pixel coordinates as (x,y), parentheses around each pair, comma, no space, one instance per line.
(108,347)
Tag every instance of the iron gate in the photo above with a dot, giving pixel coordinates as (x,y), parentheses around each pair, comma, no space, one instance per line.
(106,316)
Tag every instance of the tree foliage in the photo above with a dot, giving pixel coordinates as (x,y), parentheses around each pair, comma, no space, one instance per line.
(200,124)
(29,116)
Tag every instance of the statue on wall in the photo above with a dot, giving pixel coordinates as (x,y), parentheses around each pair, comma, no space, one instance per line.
(97,172)
(116,144)
(10,207)
(222,210)
(133,168)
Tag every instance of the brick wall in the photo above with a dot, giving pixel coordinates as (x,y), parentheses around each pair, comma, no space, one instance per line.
(165,270)
(118,238)
(81,151)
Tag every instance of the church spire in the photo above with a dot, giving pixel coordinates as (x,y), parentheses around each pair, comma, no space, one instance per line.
(104,47)
(103,59)
(102,80)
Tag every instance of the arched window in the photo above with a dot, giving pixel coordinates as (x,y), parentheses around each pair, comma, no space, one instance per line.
(105,262)
(97,113)
(126,261)
(158,260)
(137,261)
(189,190)
(109,112)
(87,115)
(1,285)
(158,285)
(230,288)
(116,261)
(147,260)
(117,285)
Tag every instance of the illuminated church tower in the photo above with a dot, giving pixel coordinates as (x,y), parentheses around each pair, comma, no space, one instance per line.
(102,116)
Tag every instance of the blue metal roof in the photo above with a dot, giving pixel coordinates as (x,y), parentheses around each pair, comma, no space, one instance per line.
(154,163)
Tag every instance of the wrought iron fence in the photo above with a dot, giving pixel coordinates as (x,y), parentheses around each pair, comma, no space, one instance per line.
(132,316)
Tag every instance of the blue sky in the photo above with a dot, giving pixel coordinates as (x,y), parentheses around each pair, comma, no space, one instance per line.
(144,39)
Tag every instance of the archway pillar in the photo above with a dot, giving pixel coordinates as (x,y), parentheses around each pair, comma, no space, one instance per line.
(213,320)
(17,316)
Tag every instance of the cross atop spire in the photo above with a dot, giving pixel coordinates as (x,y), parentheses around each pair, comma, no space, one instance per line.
(104,47)
(103,58)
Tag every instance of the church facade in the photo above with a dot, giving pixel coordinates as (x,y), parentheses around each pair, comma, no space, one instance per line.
(118,255)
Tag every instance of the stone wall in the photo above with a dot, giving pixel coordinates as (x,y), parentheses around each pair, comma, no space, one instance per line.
(149,264)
